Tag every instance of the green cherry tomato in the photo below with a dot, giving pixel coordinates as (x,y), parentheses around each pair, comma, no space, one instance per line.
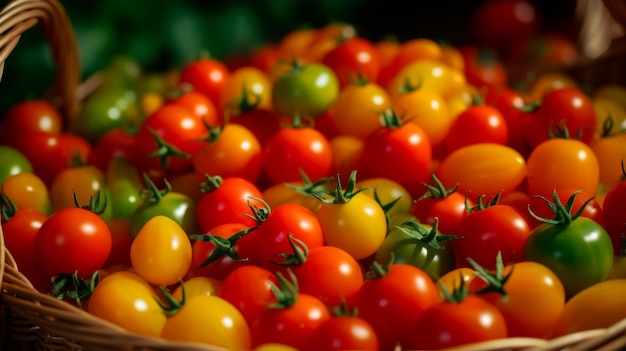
(12,161)
(576,248)
(419,245)
(176,206)
(105,110)
(307,90)
(124,183)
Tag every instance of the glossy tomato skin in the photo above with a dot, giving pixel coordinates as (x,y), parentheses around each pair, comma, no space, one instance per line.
(127,300)
(449,211)
(307,90)
(30,116)
(329,273)
(13,162)
(393,303)
(203,312)
(477,124)
(353,59)
(360,217)
(534,299)
(485,232)
(249,289)
(483,169)
(613,215)
(73,239)
(161,253)
(234,151)
(292,150)
(449,324)
(294,325)
(569,106)
(562,163)
(602,305)
(272,235)
(226,202)
(27,190)
(345,333)
(580,253)
(206,75)
(19,232)
(402,154)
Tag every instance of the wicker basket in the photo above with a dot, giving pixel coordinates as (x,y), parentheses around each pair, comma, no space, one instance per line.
(30,320)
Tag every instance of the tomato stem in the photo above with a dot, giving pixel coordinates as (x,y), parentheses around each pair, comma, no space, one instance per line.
(299,253)
(153,194)
(436,191)
(212,183)
(495,280)
(73,287)
(164,151)
(8,208)
(562,212)
(287,292)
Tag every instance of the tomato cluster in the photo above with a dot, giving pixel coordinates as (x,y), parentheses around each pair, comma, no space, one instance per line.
(330,193)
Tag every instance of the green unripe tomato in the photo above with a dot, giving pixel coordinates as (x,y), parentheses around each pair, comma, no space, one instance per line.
(307,90)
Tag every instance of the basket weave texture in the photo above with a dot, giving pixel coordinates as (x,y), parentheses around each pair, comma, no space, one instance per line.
(30,320)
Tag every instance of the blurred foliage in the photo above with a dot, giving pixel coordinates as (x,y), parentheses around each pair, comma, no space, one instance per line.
(163,35)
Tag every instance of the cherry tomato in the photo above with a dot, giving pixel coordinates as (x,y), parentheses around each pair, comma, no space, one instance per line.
(84,182)
(249,289)
(353,215)
(562,163)
(576,248)
(293,321)
(73,240)
(409,52)
(567,107)
(488,230)
(483,169)
(246,86)
(477,124)
(353,59)
(307,90)
(206,75)
(483,68)
(528,294)
(34,115)
(27,190)
(344,332)
(613,215)
(460,319)
(400,152)
(233,151)
(598,306)
(393,300)
(161,252)
(225,200)
(272,235)
(296,149)
(125,299)
(13,162)
(207,312)
(358,108)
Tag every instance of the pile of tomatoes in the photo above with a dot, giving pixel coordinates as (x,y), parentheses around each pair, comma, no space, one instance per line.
(327,193)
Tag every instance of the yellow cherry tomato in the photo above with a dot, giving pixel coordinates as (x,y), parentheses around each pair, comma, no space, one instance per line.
(161,252)
(127,300)
(358,108)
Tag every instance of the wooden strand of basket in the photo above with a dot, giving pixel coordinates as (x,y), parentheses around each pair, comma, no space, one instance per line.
(20,15)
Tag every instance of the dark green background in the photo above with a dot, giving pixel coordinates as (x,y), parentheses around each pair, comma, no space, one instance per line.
(164,34)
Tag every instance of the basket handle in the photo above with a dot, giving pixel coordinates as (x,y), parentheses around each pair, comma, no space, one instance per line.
(20,15)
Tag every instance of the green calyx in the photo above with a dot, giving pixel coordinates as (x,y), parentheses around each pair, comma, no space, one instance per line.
(223,246)
(343,310)
(458,293)
(8,208)
(309,188)
(480,204)
(246,102)
(153,194)
(562,212)
(259,214)
(386,207)
(171,306)
(436,190)
(286,292)
(408,87)
(420,234)
(391,119)
(212,183)
(97,204)
(495,280)
(339,195)
(560,130)
(298,255)
(378,270)
(73,287)
(165,151)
